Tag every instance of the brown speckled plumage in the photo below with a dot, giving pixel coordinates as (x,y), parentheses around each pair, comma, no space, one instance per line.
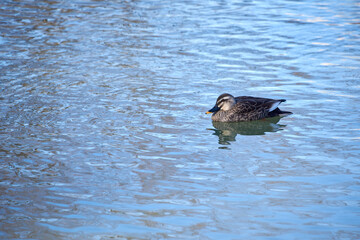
(245,108)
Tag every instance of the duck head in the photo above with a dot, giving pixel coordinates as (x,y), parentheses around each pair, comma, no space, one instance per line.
(224,102)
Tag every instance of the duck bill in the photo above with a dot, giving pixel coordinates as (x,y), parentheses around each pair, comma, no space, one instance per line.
(214,109)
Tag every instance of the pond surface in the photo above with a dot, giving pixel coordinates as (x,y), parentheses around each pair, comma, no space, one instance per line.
(103,132)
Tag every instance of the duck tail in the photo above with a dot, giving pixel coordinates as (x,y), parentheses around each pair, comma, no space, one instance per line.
(278,112)
(284,113)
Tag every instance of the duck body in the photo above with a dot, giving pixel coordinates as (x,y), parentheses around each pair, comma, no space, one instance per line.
(245,108)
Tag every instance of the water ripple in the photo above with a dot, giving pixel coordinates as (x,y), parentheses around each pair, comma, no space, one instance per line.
(103,132)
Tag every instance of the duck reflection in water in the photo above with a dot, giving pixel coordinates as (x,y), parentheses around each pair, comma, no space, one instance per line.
(227,131)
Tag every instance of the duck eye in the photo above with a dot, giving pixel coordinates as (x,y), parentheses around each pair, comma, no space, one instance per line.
(221,102)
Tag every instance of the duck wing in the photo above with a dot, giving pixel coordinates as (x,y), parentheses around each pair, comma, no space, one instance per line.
(245,104)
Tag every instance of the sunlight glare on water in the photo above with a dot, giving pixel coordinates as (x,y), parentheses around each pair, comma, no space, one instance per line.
(103,132)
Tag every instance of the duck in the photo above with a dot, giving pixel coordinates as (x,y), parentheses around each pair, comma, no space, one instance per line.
(245,108)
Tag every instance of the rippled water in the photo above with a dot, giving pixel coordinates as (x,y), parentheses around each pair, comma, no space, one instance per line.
(103,132)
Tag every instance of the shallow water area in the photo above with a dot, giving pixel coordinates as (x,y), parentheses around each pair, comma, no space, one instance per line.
(104,135)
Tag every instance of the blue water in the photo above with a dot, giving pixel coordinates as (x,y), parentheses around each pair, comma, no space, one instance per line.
(103,133)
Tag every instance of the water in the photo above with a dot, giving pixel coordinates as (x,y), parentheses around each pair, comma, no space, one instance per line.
(103,132)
